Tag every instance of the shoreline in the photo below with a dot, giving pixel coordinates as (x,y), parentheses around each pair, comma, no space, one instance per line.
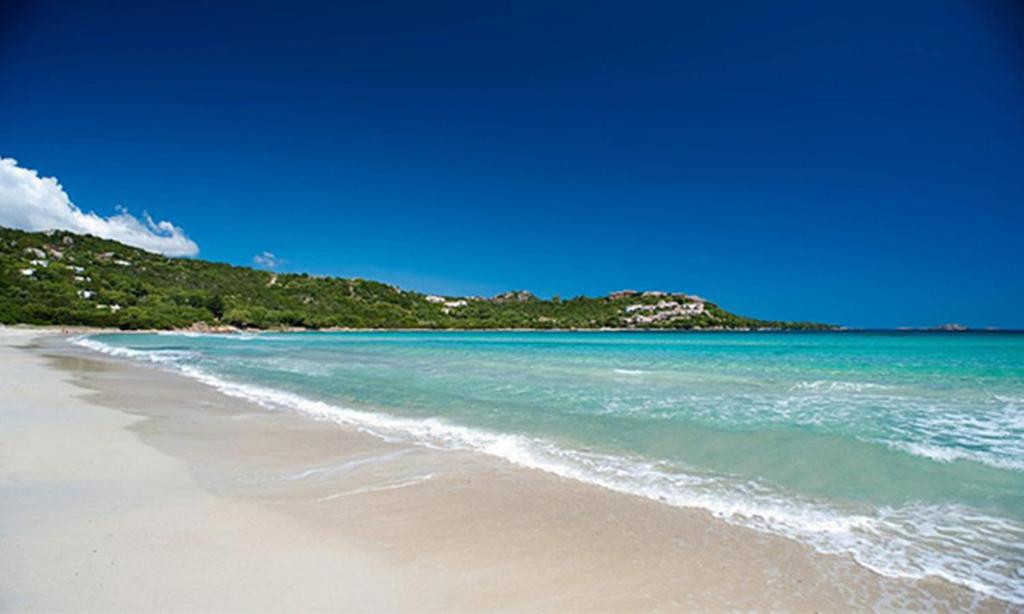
(73,329)
(230,330)
(461,531)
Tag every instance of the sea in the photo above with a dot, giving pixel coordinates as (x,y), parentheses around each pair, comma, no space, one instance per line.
(903,450)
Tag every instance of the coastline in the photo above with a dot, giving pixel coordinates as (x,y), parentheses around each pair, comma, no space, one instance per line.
(257,497)
(74,329)
(231,330)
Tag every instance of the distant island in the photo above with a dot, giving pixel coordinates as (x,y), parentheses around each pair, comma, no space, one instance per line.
(62,278)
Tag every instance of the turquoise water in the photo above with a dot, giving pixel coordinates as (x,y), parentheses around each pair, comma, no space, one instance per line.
(904,450)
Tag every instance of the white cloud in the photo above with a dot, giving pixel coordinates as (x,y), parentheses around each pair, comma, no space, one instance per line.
(31,202)
(266,260)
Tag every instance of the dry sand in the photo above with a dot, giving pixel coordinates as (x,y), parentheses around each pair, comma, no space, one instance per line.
(123,487)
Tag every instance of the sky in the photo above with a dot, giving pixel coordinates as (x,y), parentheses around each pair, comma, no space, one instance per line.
(856,163)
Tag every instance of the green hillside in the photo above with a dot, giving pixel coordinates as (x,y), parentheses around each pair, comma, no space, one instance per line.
(63,278)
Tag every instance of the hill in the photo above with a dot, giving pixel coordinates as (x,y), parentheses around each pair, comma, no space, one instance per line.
(63,278)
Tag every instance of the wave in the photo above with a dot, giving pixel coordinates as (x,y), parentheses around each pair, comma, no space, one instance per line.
(958,544)
(166,357)
(1002,398)
(986,430)
(946,454)
(838,386)
(993,437)
(630,371)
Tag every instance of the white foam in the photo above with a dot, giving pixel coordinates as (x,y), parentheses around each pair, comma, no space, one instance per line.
(946,454)
(961,545)
(1002,398)
(838,386)
(155,356)
(983,429)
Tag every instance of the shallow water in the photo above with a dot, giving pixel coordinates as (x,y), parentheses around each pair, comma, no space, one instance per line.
(904,449)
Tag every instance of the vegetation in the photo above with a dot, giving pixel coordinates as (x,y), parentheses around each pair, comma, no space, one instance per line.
(67,279)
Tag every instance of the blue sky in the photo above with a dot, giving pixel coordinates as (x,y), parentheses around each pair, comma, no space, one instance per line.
(858,163)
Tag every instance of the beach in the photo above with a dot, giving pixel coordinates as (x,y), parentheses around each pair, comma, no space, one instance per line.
(128,487)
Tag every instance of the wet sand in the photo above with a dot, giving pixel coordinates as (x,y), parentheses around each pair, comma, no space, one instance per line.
(129,488)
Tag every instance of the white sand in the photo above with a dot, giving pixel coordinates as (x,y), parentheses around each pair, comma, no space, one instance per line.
(92,519)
